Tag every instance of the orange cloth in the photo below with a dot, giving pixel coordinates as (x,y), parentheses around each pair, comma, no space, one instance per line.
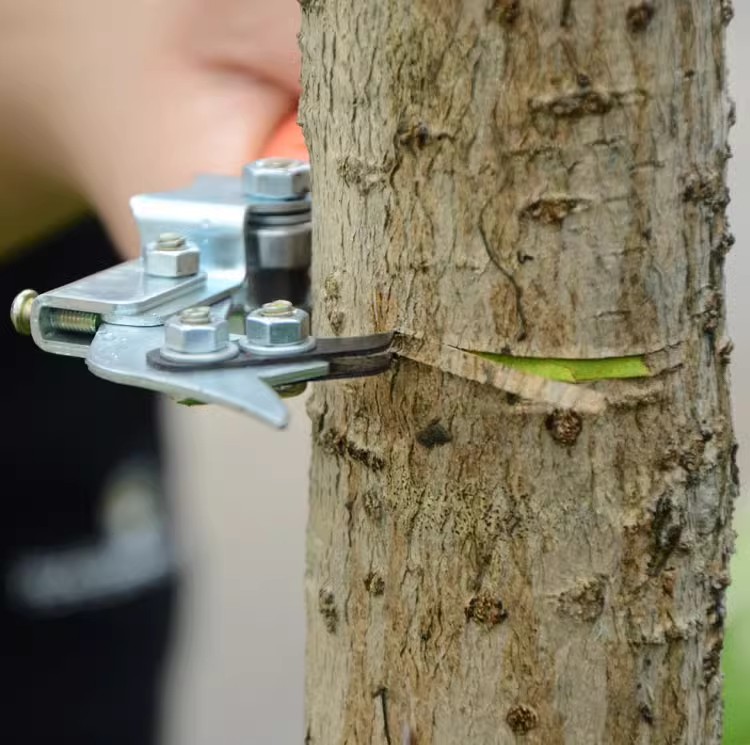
(287,141)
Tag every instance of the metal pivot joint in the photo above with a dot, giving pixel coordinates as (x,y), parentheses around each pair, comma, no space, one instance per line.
(163,321)
(278,238)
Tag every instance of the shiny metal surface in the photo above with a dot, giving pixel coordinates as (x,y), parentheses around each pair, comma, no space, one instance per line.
(118,354)
(172,258)
(183,334)
(280,246)
(277,329)
(122,294)
(276,178)
(20,311)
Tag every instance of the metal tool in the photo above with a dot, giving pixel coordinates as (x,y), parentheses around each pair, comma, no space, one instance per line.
(225,247)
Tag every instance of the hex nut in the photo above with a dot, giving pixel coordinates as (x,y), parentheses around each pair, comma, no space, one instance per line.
(182,262)
(277,178)
(194,338)
(265,330)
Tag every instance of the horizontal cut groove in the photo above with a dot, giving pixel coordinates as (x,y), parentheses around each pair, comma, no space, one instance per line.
(575,370)
(564,386)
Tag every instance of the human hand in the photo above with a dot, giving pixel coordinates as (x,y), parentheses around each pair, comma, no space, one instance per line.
(120,97)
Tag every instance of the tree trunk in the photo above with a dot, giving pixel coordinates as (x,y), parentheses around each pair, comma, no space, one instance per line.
(492,553)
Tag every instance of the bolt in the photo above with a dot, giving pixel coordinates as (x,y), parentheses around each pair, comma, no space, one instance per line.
(277,328)
(172,255)
(53,319)
(277,178)
(20,311)
(277,308)
(170,241)
(196,316)
(193,331)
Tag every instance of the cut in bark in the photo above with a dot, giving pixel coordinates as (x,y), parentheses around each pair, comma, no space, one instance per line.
(493,554)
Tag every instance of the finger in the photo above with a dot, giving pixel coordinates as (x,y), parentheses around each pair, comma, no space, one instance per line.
(287,140)
(203,122)
(218,33)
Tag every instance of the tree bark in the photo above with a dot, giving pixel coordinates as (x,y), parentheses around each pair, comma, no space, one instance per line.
(492,554)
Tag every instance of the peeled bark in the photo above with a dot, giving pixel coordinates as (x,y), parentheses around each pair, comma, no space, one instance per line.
(491,554)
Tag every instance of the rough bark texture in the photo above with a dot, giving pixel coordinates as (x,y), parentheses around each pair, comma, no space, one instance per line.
(541,178)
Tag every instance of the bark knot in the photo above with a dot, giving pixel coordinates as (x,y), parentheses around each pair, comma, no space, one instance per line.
(647,713)
(363,176)
(727,11)
(587,101)
(485,610)
(339,444)
(640,15)
(713,312)
(725,244)
(372,503)
(374,584)
(522,718)
(712,660)
(565,426)
(433,435)
(666,530)
(505,12)
(706,188)
(331,297)
(311,6)
(724,351)
(585,601)
(553,209)
(327,609)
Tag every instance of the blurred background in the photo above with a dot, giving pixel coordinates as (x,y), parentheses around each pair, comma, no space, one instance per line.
(238,676)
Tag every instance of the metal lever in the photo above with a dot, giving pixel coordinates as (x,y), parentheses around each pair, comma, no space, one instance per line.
(118,354)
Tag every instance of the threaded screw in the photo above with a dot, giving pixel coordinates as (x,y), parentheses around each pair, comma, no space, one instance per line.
(55,319)
(73,321)
(196,316)
(277,308)
(170,242)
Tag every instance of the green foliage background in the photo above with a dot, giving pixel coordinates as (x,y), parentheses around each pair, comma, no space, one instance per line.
(736,660)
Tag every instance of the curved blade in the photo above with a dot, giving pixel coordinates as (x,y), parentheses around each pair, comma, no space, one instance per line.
(118,354)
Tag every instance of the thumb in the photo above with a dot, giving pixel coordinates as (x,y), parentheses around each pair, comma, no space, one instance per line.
(287,141)
(211,130)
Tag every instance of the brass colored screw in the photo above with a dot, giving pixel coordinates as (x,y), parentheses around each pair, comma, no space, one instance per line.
(290,390)
(56,319)
(170,242)
(73,321)
(196,316)
(20,311)
(277,308)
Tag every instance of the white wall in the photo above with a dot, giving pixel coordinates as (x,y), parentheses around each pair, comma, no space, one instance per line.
(243,494)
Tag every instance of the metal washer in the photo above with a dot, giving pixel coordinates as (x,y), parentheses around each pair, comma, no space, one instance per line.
(283,350)
(229,351)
